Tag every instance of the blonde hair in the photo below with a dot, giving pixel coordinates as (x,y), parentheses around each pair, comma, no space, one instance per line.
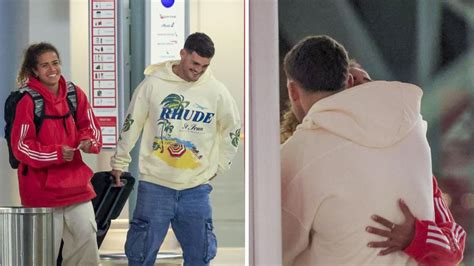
(288,124)
(353,63)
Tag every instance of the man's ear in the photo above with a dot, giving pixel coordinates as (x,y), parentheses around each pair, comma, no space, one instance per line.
(182,53)
(293,92)
(350,81)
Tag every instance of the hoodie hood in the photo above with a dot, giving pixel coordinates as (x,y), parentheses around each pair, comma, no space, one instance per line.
(376,114)
(164,71)
(35,84)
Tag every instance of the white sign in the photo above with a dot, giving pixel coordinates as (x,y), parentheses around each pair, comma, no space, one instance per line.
(103,67)
(167,29)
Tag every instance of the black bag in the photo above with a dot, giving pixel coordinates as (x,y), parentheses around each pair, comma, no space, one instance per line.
(10,111)
(110,200)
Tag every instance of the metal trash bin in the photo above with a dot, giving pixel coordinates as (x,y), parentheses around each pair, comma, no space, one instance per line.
(26,236)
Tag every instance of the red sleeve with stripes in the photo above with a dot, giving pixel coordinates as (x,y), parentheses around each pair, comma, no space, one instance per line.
(25,147)
(87,123)
(440,242)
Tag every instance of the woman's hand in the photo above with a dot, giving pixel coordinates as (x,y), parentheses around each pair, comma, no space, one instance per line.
(399,236)
(68,153)
(85,145)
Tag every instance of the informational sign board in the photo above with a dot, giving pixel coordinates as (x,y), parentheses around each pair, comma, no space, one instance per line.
(167,29)
(103,67)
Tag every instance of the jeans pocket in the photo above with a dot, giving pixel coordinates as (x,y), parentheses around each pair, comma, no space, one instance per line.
(136,244)
(210,249)
(209,187)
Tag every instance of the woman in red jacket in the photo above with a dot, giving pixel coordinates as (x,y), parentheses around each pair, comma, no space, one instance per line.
(51,171)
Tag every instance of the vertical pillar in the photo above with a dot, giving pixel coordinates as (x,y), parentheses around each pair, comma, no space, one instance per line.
(137,65)
(264,171)
(14,31)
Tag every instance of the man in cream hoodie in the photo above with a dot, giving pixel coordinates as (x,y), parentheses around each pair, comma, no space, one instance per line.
(191,130)
(355,154)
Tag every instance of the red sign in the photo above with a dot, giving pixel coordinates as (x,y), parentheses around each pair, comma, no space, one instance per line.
(103,67)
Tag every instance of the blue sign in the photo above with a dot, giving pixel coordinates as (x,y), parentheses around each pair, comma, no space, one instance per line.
(167,3)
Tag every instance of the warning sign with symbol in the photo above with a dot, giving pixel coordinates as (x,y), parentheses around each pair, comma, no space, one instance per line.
(103,67)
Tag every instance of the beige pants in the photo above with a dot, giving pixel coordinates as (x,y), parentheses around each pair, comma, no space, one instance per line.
(75,224)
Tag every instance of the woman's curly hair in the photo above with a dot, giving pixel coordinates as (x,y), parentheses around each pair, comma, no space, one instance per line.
(288,124)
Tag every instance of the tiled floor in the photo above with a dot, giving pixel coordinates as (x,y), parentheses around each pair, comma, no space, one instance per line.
(229,257)
(115,240)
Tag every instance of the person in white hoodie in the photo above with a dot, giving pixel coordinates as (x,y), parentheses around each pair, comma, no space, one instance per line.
(355,154)
(439,242)
(191,131)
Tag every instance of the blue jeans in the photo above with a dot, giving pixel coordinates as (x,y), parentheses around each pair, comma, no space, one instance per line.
(190,214)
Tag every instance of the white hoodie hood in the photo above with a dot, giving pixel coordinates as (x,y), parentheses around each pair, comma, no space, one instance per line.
(376,114)
(165,71)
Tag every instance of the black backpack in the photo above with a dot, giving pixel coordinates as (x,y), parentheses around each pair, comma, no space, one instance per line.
(39,115)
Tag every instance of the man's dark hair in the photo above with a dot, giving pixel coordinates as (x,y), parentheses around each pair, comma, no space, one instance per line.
(201,44)
(318,63)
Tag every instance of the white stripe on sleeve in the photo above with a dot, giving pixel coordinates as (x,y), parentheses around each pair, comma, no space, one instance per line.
(435,228)
(438,237)
(93,126)
(438,243)
(440,210)
(39,156)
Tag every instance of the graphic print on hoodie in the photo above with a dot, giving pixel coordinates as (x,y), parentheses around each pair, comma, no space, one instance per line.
(177,152)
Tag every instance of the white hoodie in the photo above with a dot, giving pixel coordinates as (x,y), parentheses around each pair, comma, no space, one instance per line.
(354,155)
(191,130)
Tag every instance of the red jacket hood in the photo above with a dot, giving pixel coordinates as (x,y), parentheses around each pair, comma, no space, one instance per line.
(35,84)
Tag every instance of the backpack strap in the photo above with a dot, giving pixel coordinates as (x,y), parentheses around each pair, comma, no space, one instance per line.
(39,106)
(72,98)
(37,99)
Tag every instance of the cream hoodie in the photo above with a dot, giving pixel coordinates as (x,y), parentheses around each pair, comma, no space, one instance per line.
(355,154)
(191,130)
